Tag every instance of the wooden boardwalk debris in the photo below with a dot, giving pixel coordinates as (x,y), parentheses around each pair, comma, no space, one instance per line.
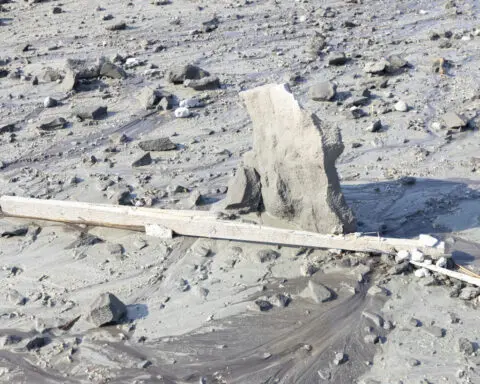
(456,275)
(199,224)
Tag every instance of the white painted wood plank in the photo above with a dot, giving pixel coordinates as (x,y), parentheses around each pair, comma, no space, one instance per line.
(198,224)
(448,272)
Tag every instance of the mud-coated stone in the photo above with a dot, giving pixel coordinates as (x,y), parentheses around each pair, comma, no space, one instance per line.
(178,75)
(160,144)
(244,190)
(106,309)
(317,292)
(323,91)
(294,153)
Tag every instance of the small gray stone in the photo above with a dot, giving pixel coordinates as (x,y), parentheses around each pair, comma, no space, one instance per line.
(371,338)
(145,159)
(401,106)
(280,300)
(465,346)
(375,126)
(12,231)
(340,358)
(37,343)
(266,255)
(117,26)
(195,198)
(244,191)
(113,71)
(337,58)
(318,292)
(161,144)
(323,91)
(263,305)
(376,67)
(469,293)
(178,75)
(453,120)
(148,98)
(106,309)
(52,125)
(50,102)
(203,84)
(91,113)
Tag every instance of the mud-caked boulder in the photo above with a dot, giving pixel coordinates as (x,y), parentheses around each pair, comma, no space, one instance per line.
(294,154)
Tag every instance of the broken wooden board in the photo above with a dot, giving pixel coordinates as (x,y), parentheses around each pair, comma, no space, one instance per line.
(456,275)
(200,224)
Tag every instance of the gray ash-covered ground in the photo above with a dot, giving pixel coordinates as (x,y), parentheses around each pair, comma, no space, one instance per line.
(403,89)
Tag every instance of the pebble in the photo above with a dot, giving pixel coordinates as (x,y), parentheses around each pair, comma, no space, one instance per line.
(375,126)
(50,102)
(340,358)
(182,112)
(413,362)
(465,346)
(401,106)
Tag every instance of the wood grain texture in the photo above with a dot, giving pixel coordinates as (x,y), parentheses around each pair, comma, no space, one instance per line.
(198,224)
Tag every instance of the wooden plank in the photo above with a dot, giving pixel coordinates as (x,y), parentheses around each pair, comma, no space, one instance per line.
(199,224)
(456,275)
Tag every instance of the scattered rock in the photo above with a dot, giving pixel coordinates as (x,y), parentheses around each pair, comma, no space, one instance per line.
(465,346)
(267,255)
(158,145)
(203,84)
(244,191)
(454,121)
(375,126)
(337,58)
(145,159)
(371,338)
(50,102)
(323,91)
(318,292)
(37,343)
(178,75)
(340,358)
(263,305)
(149,98)
(469,293)
(376,67)
(401,106)
(91,113)
(113,71)
(13,231)
(280,300)
(117,26)
(106,309)
(52,125)
(182,112)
